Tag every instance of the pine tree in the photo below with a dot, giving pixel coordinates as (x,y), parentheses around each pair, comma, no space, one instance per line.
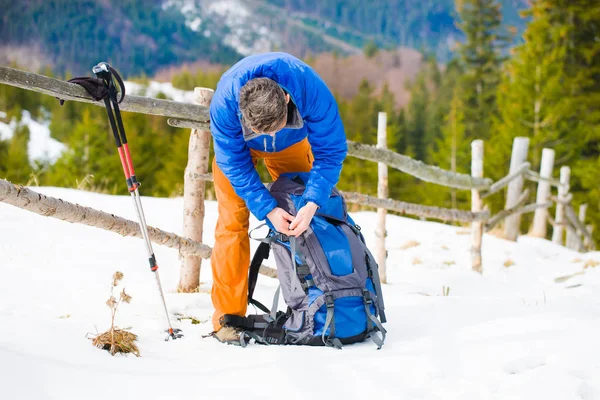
(452,149)
(417,118)
(16,165)
(90,160)
(481,57)
(359,116)
(530,96)
(551,94)
(580,22)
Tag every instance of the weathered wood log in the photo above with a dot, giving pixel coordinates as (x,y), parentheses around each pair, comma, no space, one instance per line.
(502,183)
(476,205)
(513,193)
(417,168)
(582,212)
(193,197)
(539,225)
(443,214)
(184,123)
(586,241)
(563,192)
(516,210)
(507,212)
(47,206)
(380,252)
(564,201)
(552,222)
(535,177)
(267,271)
(70,91)
(572,236)
(579,227)
(572,243)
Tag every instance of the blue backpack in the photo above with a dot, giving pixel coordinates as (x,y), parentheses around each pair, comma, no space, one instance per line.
(328,278)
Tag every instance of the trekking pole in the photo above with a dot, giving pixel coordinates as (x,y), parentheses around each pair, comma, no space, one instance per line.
(105,72)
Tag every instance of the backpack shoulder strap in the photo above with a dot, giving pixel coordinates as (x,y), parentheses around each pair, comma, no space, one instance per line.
(261,254)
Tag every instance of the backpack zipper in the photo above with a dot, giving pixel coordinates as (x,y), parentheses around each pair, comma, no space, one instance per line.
(274,148)
(265,142)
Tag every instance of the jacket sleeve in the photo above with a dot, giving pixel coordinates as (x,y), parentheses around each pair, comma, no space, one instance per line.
(327,139)
(233,158)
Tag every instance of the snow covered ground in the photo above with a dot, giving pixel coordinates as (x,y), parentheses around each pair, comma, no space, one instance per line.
(153,88)
(512,333)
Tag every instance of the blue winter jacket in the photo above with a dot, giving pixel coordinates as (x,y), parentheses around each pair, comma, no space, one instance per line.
(318,119)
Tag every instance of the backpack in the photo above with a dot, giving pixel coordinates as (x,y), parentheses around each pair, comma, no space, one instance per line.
(328,278)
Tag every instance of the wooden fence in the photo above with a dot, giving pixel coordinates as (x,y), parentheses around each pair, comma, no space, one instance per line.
(196,117)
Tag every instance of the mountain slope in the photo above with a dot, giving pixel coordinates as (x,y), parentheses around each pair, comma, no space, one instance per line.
(136,36)
(145,36)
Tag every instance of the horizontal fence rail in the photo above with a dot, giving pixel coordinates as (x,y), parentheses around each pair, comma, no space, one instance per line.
(70,91)
(47,206)
(417,168)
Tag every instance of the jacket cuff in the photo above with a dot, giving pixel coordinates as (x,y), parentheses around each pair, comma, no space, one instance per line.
(260,211)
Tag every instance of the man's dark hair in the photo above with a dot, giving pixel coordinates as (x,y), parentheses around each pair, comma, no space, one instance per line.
(263,105)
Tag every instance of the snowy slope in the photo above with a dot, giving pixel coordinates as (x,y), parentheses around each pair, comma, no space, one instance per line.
(232,20)
(513,333)
(153,88)
(41,146)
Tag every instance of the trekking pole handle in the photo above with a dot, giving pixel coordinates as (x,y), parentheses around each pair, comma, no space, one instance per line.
(102,71)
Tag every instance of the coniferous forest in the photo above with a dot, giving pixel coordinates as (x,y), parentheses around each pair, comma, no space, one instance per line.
(546,88)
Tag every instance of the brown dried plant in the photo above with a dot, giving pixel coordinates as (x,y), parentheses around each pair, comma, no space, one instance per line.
(117,340)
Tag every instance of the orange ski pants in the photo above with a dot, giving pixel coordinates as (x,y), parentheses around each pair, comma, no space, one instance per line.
(230,258)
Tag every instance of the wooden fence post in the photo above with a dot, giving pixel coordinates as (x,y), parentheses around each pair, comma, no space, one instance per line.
(476,205)
(575,236)
(582,212)
(193,197)
(586,241)
(382,193)
(563,191)
(518,157)
(540,218)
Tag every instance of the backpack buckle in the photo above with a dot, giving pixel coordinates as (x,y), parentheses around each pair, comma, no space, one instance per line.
(367,299)
(329,301)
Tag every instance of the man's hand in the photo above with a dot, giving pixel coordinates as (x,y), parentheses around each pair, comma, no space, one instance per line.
(280,220)
(300,224)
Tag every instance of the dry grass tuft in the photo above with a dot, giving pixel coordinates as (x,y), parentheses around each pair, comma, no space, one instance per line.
(509,263)
(409,244)
(591,263)
(117,341)
(417,261)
